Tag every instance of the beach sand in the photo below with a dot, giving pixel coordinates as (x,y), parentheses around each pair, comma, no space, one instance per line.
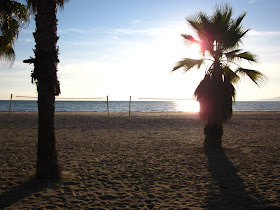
(154,161)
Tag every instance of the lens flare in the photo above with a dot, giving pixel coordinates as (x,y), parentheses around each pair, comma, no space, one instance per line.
(187,106)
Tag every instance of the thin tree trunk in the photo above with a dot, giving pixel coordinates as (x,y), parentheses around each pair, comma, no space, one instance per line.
(45,68)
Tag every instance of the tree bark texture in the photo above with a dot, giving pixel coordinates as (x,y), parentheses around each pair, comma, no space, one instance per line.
(45,73)
(213,134)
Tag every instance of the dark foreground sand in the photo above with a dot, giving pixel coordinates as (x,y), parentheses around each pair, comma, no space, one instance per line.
(154,161)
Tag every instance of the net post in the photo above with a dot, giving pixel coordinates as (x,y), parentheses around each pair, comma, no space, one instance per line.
(129,111)
(108,106)
(10,107)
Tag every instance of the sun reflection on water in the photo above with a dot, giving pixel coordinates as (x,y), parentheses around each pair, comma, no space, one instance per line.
(187,106)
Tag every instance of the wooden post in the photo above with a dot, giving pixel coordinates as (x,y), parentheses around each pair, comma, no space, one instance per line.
(108,106)
(10,108)
(129,108)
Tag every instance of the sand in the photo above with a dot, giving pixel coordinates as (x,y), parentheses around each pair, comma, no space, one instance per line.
(154,161)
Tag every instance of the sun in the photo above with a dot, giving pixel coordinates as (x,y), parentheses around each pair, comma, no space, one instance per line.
(194,50)
(187,106)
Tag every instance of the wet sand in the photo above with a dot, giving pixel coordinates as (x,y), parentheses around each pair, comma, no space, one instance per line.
(154,161)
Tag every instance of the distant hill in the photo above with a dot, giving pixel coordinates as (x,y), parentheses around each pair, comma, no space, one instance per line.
(270,99)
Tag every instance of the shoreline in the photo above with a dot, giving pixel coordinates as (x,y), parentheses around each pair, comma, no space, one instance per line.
(140,106)
(155,160)
(145,112)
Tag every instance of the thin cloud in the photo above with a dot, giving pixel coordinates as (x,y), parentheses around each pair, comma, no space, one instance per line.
(84,43)
(173,28)
(263,33)
(275,54)
(27,31)
(73,30)
(128,31)
(25,40)
(105,35)
(135,22)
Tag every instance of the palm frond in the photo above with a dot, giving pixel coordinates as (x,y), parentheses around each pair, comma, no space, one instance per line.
(20,13)
(230,74)
(188,63)
(189,38)
(201,23)
(8,54)
(33,4)
(233,33)
(61,3)
(238,54)
(13,16)
(233,38)
(231,54)
(247,56)
(222,15)
(256,76)
(243,32)
(238,20)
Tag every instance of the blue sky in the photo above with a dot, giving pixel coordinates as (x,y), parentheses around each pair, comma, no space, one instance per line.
(129,47)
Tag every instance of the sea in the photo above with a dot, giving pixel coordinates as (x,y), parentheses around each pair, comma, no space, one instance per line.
(134,106)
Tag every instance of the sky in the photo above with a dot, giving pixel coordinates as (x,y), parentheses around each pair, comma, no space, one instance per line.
(123,48)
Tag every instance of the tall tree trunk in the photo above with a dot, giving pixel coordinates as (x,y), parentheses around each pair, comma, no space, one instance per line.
(45,68)
(214,128)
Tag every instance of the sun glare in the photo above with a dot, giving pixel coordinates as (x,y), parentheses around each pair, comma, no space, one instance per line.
(194,50)
(187,106)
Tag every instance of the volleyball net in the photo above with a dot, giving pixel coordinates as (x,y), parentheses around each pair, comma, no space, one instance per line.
(106,99)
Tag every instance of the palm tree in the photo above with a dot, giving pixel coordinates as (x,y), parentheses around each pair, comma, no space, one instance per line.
(219,36)
(45,76)
(13,16)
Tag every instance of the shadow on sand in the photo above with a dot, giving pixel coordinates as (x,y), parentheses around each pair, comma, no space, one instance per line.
(232,190)
(22,191)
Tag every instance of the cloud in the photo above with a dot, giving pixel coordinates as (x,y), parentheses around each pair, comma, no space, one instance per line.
(162,30)
(84,43)
(159,29)
(114,42)
(25,40)
(273,54)
(266,44)
(263,33)
(73,30)
(128,31)
(135,22)
(27,31)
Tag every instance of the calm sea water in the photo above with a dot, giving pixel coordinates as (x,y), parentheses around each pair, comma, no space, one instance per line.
(136,106)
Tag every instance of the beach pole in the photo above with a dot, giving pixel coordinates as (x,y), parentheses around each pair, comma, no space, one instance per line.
(108,106)
(10,108)
(129,108)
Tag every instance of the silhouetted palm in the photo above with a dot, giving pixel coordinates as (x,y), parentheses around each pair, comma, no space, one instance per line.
(219,36)
(13,16)
(45,76)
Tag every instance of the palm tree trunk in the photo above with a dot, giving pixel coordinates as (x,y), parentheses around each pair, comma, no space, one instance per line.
(213,134)
(45,68)
(214,128)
